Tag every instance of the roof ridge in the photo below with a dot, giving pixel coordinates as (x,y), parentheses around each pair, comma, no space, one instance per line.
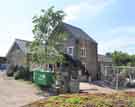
(72,26)
(21,40)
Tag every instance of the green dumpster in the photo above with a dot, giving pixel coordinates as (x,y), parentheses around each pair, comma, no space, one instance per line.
(42,77)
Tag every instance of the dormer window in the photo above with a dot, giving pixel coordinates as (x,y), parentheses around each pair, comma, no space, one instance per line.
(83,52)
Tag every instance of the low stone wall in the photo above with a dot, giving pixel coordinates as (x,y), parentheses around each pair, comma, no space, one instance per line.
(74,86)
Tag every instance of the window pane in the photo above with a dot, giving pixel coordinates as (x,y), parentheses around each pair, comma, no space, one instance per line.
(70,50)
(83,52)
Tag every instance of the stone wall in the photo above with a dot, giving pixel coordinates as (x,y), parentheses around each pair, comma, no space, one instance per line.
(16,57)
(91,56)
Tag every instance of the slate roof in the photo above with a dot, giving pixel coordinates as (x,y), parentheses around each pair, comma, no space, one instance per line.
(78,33)
(23,44)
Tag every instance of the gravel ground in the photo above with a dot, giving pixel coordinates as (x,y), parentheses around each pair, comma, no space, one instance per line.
(17,93)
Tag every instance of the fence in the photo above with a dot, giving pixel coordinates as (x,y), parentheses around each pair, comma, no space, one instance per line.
(118,76)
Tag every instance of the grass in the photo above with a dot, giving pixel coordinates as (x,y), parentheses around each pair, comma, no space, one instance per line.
(73,100)
(88,100)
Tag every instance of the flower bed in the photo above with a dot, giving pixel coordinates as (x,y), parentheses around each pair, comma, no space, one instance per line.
(88,100)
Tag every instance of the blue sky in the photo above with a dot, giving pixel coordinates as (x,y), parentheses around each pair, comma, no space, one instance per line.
(110,22)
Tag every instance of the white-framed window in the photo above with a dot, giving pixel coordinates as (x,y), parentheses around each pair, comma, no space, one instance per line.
(83,52)
(70,50)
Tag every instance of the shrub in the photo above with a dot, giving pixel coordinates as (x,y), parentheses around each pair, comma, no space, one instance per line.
(22,73)
(11,69)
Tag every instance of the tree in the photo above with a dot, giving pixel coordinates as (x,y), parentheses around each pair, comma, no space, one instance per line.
(108,54)
(48,35)
(123,59)
(120,58)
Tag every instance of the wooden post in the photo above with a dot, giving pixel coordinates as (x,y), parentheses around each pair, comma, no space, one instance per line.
(117,79)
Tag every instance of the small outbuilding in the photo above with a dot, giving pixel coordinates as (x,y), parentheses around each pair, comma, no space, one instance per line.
(103,61)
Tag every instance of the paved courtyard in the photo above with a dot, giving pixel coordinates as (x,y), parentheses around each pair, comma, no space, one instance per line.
(17,93)
(92,88)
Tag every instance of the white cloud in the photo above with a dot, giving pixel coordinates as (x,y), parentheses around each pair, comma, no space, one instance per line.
(72,12)
(85,8)
(21,30)
(120,38)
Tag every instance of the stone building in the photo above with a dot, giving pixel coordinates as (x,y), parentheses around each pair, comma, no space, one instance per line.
(3,60)
(17,55)
(3,63)
(79,45)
